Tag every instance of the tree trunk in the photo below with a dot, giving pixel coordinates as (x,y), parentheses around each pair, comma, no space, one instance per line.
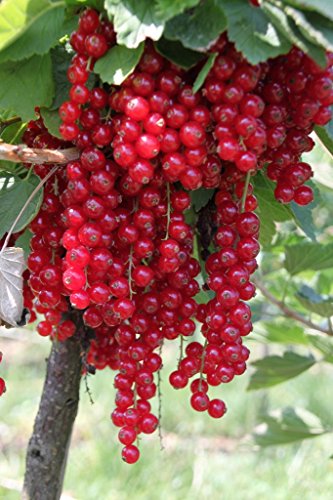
(48,446)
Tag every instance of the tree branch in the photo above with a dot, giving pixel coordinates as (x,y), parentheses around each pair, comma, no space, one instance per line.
(20,153)
(290,313)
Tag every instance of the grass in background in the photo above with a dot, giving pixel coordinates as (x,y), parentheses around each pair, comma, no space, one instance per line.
(203,458)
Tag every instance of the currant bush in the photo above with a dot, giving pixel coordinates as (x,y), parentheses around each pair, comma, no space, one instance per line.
(112,239)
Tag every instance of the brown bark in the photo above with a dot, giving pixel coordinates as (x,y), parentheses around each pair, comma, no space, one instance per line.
(21,153)
(48,446)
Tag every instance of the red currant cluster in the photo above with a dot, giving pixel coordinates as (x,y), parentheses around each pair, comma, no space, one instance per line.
(226,318)
(112,239)
(2,382)
(264,115)
(43,292)
(298,95)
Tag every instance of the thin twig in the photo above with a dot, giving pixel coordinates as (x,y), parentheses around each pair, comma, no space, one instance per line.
(290,313)
(159,397)
(21,153)
(246,188)
(168,210)
(21,212)
(181,348)
(130,268)
(203,356)
(88,391)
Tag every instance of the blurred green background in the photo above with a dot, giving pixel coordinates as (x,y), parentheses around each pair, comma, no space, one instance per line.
(203,458)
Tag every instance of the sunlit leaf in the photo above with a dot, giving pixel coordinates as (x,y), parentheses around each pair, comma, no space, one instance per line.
(288,426)
(118,63)
(273,370)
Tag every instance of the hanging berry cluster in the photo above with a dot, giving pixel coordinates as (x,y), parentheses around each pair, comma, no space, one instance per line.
(112,239)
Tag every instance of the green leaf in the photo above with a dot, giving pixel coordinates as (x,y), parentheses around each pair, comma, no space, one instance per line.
(314,302)
(325,135)
(303,216)
(11,132)
(288,426)
(269,210)
(304,219)
(60,62)
(284,333)
(324,7)
(272,212)
(26,84)
(288,28)
(200,198)
(324,282)
(200,79)
(95,4)
(308,255)
(199,28)
(316,28)
(203,297)
(274,370)
(5,114)
(322,30)
(14,192)
(118,63)
(324,345)
(39,36)
(16,16)
(167,9)
(52,121)
(8,167)
(134,21)
(280,20)
(252,32)
(316,53)
(178,54)
(23,242)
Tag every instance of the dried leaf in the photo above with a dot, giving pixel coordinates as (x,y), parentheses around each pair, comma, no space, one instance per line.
(11,285)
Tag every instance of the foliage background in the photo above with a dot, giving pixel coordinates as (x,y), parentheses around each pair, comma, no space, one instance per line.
(203,458)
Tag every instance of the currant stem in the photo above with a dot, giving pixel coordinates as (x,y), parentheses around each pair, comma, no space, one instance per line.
(88,64)
(135,406)
(30,171)
(181,348)
(202,363)
(88,391)
(159,396)
(246,188)
(168,210)
(130,265)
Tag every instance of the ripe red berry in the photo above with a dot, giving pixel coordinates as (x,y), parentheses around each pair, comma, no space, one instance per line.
(2,386)
(216,408)
(130,454)
(178,379)
(199,401)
